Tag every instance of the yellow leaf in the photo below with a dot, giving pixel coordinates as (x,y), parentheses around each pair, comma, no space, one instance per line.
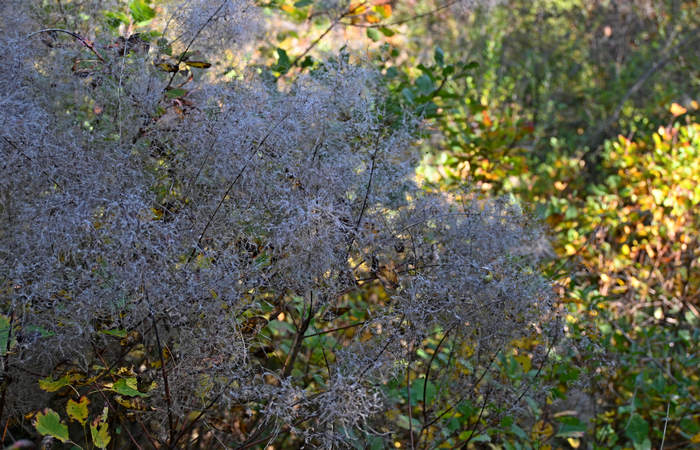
(78,411)
(542,430)
(198,64)
(677,110)
(573,442)
(167,67)
(357,9)
(134,403)
(524,362)
(695,439)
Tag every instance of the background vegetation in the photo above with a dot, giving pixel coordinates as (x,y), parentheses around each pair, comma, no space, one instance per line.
(582,114)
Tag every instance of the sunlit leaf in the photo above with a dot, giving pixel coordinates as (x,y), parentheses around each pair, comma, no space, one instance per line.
(48,384)
(141,11)
(198,64)
(167,67)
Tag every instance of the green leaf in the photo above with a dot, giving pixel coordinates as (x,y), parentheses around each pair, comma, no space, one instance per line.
(373,34)
(128,387)
(4,334)
(176,93)
(638,429)
(518,431)
(425,84)
(386,31)
(48,423)
(302,3)
(417,391)
(439,57)
(403,422)
(571,427)
(48,384)
(116,18)
(100,433)
(283,61)
(116,333)
(141,11)
(78,411)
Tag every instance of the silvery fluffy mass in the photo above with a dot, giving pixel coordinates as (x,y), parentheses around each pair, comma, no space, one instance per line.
(120,209)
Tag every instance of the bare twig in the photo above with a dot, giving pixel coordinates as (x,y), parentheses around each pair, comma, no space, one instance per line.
(194,38)
(166,386)
(298,339)
(345,327)
(663,438)
(109,405)
(427,376)
(88,44)
(408,397)
(230,187)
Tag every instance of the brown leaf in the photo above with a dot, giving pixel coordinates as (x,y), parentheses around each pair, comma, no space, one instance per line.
(388,276)
(253,325)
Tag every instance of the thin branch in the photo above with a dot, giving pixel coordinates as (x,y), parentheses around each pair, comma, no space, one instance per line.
(402,21)
(478,419)
(345,327)
(53,180)
(82,40)
(298,339)
(230,187)
(109,405)
(537,374)
(194,38)
(427,376)
(166,386)
(663,438)
(364,202)
(461,399)
(603,130)
(200,414)
(335,22)
(5,381)
(408,397)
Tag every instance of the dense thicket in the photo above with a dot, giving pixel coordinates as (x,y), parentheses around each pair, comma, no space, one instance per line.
(191,256)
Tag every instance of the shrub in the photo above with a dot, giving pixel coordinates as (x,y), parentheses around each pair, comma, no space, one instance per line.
(195,257)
